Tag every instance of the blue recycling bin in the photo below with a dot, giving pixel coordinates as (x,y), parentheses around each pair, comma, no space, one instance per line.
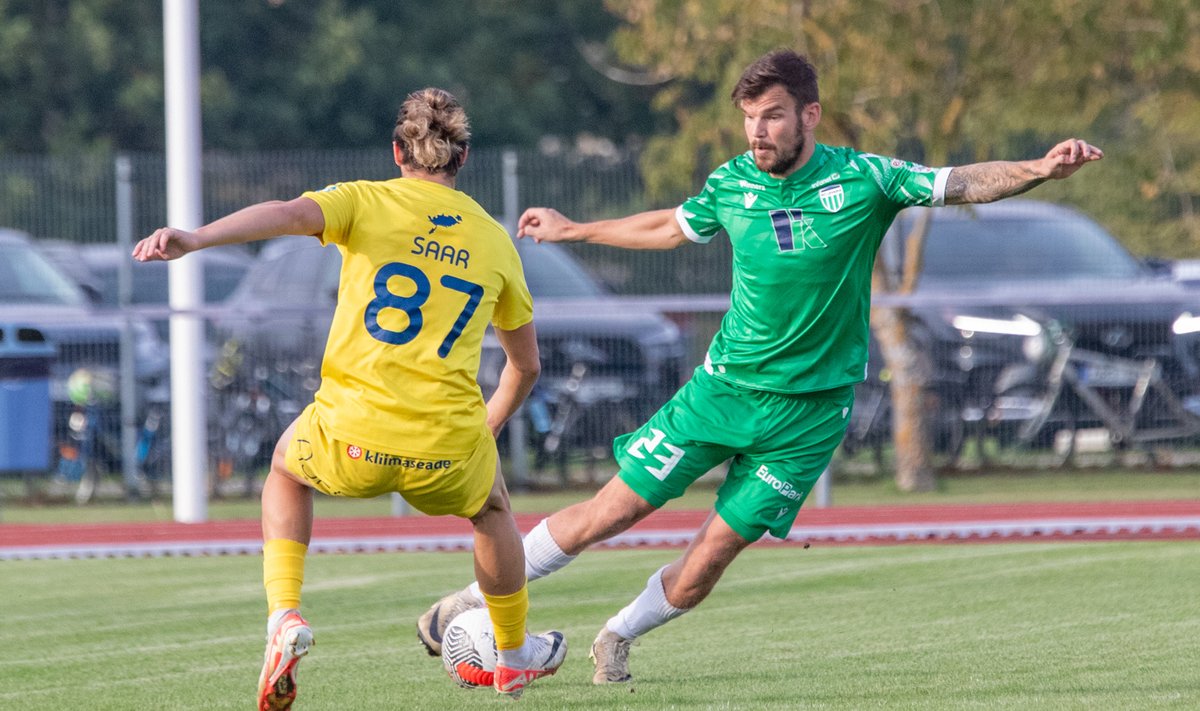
(25,410)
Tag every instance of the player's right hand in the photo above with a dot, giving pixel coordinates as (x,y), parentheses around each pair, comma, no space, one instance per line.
(166,243)
(543,224)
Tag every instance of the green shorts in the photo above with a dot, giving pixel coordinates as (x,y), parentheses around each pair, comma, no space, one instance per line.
(778,446)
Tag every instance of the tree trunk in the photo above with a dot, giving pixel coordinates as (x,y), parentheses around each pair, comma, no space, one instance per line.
(909,368)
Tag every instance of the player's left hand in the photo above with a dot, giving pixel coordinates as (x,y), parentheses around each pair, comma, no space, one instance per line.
(1069,156)
(166,243)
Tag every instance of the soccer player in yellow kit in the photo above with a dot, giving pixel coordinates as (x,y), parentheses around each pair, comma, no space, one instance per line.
(424,270)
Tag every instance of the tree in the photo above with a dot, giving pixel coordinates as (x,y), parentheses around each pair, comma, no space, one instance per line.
(939,82)
(79,75)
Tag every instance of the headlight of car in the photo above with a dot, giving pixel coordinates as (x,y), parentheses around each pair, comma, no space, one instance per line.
(1186,323)
(1036,347)
(1042,345)
(1019,325)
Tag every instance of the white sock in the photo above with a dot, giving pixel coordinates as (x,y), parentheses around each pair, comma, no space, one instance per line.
(514,658)
(542,554)
(542,557)
(647,611)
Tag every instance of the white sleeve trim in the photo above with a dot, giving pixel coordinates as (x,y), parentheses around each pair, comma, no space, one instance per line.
(688,232)
(938,199)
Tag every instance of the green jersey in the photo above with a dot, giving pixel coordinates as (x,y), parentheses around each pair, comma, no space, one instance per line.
(803,250)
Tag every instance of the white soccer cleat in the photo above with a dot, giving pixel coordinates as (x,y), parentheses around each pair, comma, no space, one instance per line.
(610,654)
(431,626)
(547,651)
(288,639)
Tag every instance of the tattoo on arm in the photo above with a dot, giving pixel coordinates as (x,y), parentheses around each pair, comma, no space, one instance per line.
(988,182)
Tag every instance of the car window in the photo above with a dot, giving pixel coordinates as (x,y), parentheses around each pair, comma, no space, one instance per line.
(551,272)
(331,272)
(221,279)
(292,275)
(289,278)
(263,280)
(27,278)
(1017,248)
(151,282)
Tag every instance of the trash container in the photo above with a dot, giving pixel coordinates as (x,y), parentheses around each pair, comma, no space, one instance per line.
(25,411)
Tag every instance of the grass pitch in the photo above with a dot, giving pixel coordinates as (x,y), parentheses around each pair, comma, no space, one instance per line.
(1109,625)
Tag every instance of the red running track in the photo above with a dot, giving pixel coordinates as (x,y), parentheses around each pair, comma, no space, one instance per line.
(1136,520)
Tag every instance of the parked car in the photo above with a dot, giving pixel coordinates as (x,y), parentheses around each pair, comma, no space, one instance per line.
(1186,272)
(84,375)
(96,268)
(993,276)
(604,368)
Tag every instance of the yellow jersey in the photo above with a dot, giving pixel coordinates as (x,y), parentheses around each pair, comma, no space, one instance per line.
(424,270)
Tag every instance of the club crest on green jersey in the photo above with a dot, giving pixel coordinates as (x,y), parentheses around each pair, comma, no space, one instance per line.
(832,197)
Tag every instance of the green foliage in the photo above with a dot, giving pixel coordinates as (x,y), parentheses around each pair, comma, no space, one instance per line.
(944,84)
(70,70)
(999,626)
(283,74)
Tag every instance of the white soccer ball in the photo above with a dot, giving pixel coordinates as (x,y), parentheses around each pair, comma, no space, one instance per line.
(469,649)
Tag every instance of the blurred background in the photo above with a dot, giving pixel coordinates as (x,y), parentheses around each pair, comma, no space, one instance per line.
(1056,331)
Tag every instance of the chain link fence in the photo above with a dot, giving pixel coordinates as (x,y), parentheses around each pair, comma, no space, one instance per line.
(1027,363)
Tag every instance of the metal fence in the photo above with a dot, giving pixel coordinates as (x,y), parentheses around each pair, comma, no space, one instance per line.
(1026,362)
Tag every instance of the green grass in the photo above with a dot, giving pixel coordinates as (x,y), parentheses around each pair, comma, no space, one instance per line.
(972,626)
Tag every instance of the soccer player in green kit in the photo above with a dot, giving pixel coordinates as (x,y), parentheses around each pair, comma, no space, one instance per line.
(775,391)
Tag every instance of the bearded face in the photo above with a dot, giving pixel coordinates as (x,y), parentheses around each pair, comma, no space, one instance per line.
(774,131)
(775,159)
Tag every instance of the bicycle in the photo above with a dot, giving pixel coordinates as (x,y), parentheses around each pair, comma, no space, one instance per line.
(90,448)
(252,405)
(1066,390)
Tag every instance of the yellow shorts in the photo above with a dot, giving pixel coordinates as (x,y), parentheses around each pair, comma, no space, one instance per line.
(454,485)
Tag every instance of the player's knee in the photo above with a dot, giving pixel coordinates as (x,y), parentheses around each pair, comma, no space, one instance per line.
(496,504)
(279,463)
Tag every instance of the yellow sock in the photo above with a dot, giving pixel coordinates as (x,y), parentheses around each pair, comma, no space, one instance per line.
(508,614)
(283,573)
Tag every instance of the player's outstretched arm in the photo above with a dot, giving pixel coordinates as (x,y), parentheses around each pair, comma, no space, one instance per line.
(301,216)
(995,180)
(656,229)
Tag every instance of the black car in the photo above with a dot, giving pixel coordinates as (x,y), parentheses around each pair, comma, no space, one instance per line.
(605,368)
(995,280)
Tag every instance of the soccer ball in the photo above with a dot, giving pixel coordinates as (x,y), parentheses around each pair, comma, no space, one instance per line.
(469,649)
